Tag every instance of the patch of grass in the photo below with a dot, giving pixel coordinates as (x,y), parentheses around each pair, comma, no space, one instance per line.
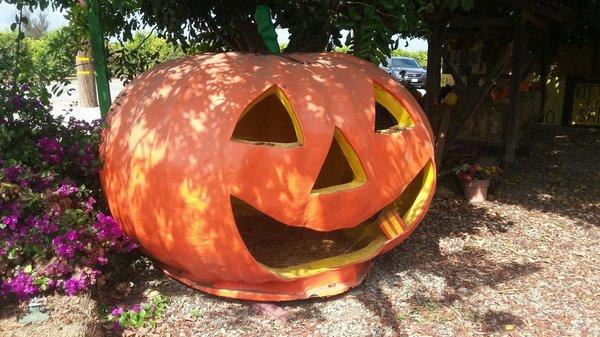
(139,316)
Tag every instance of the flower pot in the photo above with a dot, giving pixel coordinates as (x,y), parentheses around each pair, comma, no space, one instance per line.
(476,190)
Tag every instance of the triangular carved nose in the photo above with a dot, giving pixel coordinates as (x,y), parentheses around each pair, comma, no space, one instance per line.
(341,169)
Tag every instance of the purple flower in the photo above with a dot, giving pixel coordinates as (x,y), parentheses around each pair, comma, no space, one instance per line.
(107,228)
(25,87)
(23,182)
(74,285)
(66,189)
(117,311)
(62,248)
(57,267)
(11,221)
(117,326)
(102,260)
(42,224)
(21,286)
(136,308)
(43,182)
(71,235)
(17,101)
(12,173)
(51,150)
(89,204)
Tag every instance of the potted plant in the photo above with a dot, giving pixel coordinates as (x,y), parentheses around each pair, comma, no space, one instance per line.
(475,180)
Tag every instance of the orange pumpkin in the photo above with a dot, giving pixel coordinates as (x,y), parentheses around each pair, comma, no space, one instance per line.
(451,99)
(265,177)
(500,93)
(524,86)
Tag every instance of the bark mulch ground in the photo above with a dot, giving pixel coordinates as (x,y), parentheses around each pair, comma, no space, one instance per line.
(526,263)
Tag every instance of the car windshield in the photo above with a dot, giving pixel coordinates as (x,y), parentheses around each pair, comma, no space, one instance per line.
(404,63)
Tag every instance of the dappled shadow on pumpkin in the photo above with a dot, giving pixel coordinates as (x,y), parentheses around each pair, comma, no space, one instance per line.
(171,164)
(162,121)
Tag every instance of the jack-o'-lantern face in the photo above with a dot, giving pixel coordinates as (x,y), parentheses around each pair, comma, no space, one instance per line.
(264,177)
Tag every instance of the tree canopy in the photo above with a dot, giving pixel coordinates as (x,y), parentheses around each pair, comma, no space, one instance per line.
(227,25)
(375,26)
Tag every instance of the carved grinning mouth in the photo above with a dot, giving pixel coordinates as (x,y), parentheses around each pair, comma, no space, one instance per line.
(298,251)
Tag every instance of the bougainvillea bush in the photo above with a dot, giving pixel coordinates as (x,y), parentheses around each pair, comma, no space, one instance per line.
(55,232)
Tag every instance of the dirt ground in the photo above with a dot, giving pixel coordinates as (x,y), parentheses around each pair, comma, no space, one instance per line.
(526,263)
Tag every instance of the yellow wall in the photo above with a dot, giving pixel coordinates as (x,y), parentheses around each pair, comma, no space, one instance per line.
(570,61)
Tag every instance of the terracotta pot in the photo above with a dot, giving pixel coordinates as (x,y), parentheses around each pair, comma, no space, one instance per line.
(476,190)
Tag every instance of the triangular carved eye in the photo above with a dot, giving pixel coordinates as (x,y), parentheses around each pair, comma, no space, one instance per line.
(269,120)
(390,115)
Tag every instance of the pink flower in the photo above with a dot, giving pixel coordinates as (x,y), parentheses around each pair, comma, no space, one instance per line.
(117,311)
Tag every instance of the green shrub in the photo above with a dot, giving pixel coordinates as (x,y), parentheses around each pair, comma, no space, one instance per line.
(54,54)
(420,56)
(42,61)
(8,48)
(140,54)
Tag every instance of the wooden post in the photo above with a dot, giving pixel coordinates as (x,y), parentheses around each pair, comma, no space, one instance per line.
(513,105)
(595,69)
(97,44)
(432,86)
(442,136)
(543,79)
(478,96)
(86,84)
(449,67)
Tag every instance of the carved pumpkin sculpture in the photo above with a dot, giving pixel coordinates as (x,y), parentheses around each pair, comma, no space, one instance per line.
(265,177)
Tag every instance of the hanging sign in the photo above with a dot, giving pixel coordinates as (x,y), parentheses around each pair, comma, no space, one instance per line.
(586,104)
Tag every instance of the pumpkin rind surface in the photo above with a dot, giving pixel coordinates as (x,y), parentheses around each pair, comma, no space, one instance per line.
(182,160)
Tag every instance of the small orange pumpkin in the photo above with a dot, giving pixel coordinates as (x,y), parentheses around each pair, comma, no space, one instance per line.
(265,177)
(451,99)
(524,86)
(500,93)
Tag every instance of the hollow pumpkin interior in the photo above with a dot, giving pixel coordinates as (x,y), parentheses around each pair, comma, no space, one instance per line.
(298,251)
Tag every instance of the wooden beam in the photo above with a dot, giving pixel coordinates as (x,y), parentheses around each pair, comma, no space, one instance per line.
(554,11)
(434,58)
(520,43)
(527,64)
(479,95)
(470,22)
(453,71)
(543,76)
(442,136)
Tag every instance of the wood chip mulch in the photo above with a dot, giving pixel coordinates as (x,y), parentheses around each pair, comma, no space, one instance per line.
(526,263)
